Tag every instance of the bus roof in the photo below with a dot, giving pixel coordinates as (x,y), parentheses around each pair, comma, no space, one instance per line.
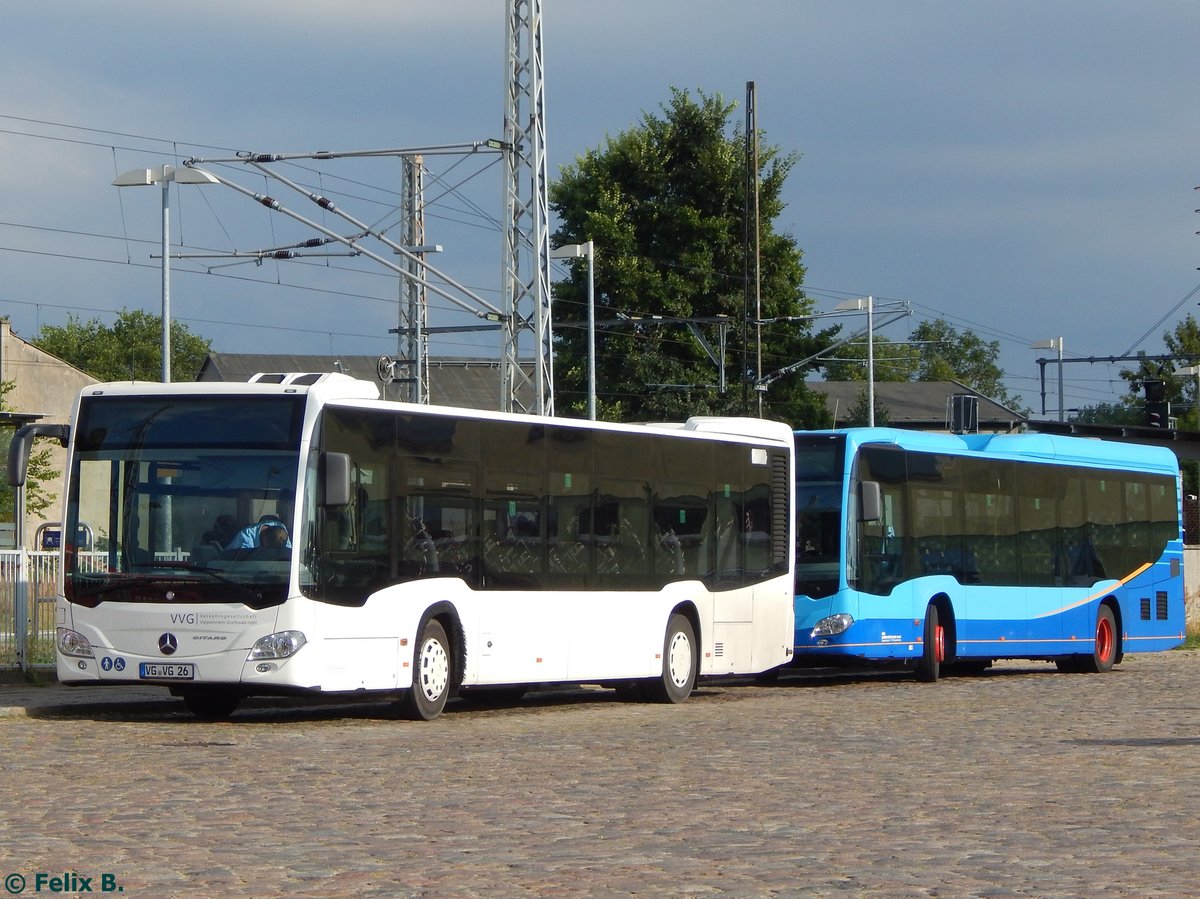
(337,388)
(328,385)
(1047,447)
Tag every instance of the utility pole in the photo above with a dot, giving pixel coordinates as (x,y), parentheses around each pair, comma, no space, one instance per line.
(753,277)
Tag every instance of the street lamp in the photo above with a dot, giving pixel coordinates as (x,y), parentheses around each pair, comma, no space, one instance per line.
(1193,370)
(1054,343)
(858,305)
(574,251)
(164,175)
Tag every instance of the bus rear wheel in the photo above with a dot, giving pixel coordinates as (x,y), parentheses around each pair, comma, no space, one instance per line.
(1105,653)
(680,664)
(430,689)
(933,648)
(1104,647)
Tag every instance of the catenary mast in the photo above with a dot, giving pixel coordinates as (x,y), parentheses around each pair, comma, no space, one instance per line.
(526,242)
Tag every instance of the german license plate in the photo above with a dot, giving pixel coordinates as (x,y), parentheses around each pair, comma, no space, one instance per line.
(164,671)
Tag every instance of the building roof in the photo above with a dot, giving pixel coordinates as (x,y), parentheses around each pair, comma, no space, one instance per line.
(918,405)
(469,383)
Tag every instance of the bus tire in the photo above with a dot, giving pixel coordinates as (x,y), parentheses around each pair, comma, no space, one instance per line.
(211,705)
(1104,647)
(432,668)
(680,663)
(933,648)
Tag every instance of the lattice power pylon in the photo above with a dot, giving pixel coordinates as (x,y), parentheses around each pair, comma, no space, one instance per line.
(527,384)
(523,314)
(412,359)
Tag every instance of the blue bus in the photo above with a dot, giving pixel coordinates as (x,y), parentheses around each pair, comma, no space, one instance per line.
(947,552)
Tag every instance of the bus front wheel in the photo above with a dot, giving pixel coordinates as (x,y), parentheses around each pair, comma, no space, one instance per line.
(933,648)
(426,698)
(680,663)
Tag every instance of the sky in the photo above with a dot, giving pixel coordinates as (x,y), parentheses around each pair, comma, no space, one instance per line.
(1024,169)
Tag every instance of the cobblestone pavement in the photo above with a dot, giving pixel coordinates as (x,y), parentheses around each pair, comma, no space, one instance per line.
(1020,782)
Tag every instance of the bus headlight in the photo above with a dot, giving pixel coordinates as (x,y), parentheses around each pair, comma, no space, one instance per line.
(72,643)
(833,624)
(281,645)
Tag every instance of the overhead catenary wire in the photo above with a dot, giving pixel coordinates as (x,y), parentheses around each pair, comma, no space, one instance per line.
(175,147)
(128,241)
(113,141)
(1158,324)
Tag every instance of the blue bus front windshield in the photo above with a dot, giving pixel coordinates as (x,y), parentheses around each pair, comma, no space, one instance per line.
(182,499)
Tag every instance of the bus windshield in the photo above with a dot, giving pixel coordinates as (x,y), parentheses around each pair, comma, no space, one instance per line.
(173,513)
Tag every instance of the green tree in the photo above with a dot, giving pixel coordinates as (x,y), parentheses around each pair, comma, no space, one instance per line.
(1123,413)
(857,415)
(129,349)
(39,471)
(947,354)
(663,203)
(1183,342)
(893,361)
(934,351)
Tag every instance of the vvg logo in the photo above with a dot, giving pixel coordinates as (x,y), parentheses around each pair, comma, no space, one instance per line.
(183,618)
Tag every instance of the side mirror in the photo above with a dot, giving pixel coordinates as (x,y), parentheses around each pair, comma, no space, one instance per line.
(18,450)
(336,482)
(870,501)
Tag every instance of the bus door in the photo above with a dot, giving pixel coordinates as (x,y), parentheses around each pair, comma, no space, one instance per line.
(881,563)
(519,617)
(998,546)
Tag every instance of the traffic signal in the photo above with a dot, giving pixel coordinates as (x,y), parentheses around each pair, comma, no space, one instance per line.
(1158,410)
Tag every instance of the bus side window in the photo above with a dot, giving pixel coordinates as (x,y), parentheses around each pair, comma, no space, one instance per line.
(567,553)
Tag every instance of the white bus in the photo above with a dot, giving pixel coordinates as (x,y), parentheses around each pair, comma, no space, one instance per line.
(296,534)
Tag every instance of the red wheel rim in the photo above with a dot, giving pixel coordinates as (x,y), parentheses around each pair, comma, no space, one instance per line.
(1104,639)
(939,644)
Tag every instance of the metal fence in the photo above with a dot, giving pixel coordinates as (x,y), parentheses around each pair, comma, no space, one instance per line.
(27,588)
(28,585)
